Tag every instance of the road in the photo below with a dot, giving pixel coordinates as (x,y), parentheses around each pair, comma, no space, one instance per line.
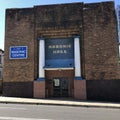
(48,112)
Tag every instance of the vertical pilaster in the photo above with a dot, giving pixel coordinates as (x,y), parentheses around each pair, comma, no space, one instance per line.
(77,57)
(39,85)
(79,82)
(41,58)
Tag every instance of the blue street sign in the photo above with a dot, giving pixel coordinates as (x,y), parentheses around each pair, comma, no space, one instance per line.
(18,52)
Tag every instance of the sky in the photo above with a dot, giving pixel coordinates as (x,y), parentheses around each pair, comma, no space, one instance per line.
(4,4)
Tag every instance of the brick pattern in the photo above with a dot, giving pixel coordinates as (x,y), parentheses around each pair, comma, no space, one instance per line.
(18,89)
(80,89)
(39,89)
(103,90)
(58,16)
(100,42)
(98,38)
(57,21)
(19,32)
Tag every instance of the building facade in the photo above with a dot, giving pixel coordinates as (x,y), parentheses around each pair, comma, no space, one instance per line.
(62,50)
(1,68)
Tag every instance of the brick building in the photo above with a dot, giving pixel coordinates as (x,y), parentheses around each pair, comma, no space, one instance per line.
(62,50)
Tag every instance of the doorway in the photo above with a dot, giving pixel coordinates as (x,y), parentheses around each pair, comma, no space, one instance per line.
(60,87)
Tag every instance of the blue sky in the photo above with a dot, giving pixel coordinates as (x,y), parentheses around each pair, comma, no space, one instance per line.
(4,4)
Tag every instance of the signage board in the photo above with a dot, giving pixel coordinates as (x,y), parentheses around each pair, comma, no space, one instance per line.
(18,52)
(59,53)
(59,49)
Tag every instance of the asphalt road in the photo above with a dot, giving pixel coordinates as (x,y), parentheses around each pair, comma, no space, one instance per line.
(48,112)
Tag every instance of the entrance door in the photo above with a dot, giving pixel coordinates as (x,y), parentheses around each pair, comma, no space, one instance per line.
(60,87)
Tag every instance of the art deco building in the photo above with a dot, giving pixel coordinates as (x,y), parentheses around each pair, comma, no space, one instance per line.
(62,50)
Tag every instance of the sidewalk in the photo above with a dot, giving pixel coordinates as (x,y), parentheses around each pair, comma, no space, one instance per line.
(58,102)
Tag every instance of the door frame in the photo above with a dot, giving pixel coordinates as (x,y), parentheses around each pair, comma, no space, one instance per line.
(59,90)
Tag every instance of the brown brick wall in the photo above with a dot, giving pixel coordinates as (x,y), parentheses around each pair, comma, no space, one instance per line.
(100,42)
(39,89)
(103,90)
(58,21)
(80,89)
(96,25)
(19,32)
(58,16)
(18,89)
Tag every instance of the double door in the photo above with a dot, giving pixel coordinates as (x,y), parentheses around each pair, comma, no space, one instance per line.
(60,87)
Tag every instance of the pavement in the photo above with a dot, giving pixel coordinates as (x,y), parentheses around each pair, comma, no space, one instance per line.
(63,102)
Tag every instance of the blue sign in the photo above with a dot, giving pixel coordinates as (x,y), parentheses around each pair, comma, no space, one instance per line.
(59,48)
(18,52)
(59,53)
